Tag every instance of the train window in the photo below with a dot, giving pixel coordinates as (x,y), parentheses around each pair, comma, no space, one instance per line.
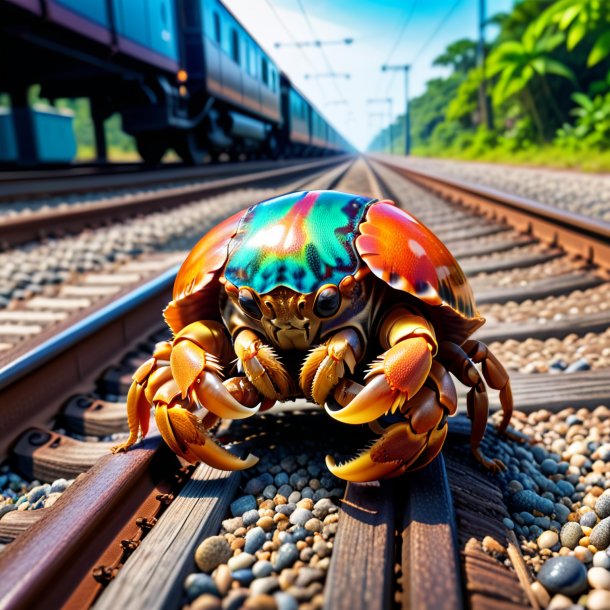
(217,34)
(265,71)
(235,45)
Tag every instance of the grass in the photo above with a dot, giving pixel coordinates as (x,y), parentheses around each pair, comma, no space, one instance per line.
(546,156)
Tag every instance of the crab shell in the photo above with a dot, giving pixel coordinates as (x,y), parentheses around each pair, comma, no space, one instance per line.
(295,232)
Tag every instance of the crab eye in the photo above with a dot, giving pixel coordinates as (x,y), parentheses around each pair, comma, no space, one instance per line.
(248,304)
(327,302)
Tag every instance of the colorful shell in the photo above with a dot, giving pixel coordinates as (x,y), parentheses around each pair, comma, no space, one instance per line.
(307,239)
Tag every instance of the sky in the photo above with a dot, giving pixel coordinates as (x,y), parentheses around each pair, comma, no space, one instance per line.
(384,31)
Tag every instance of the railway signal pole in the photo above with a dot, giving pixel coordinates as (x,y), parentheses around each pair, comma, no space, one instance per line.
(405,68)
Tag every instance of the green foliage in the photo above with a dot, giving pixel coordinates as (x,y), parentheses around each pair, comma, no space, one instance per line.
(547,72)
(592,127)
(581,19)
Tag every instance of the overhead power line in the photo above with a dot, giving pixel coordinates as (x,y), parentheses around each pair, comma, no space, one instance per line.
(432,36)
(322,50)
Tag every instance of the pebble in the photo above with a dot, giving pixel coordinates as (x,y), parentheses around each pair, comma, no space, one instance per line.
(286,556)
(308,575)
(601,559)
(560,602)
(602,506)
(206,602)
(300,516)
(243,577)
(250,517)
(265,585)
(230,525)
(570,534)
(223,579)
(588,519)
(548,539)
(260,602)
(598,600)
(528,500)
(212,552)
(243,505)
(199,584)
(600,536)
(599,578)
(256,485)
(262,568)
(285,601)
(255,539)
(241,561)
(566,575)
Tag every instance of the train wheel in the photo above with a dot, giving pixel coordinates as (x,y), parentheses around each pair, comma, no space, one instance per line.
(189,148)
(151,147)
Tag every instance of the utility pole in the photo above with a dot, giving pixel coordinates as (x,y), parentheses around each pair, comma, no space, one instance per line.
(484,102)
(405,68)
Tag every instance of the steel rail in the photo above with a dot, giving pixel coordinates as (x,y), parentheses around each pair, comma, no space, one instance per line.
(22,228)
(576,234)
(87,179)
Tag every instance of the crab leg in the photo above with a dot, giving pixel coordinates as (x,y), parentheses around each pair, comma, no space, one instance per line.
(262,367)
(326,364)
(457,362)
(398,374)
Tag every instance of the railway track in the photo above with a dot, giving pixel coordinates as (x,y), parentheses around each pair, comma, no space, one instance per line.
(36,184)
(124,533)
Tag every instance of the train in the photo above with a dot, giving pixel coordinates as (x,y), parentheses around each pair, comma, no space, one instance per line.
(183,74)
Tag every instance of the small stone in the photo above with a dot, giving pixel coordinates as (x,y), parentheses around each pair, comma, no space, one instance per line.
(306,503)
(269,492)
(266,523)
(492,545)
(324,507)
(508,523)
(322,549)
(265,585)
(230,525)
(300,516)
(548,467)
(566,575)
(560,602)
(256,485)
(286,556)
(588,519)
(199,584)
(541,594)
(206,602)
(598,599)
(59,486)
(285,601)
(243,505)
(241,561)
(250,517)
(212,552)
(235,599)
(255,539)
(308,575)
(313,525)
(583,554)
(260,602)
(262,568)
(571,533)
(601,559)
(602,506)
(599,578)
(548,539)
(600,536)
(243,577)
(223,579)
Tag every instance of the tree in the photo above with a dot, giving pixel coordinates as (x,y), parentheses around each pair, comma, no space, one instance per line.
(460,56)
(518,63)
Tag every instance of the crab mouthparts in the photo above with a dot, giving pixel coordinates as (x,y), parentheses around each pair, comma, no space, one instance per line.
(288,336)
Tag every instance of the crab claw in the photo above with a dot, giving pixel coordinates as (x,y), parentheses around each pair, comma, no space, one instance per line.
(397,448)
(394,378)
(215,397)
(186,436)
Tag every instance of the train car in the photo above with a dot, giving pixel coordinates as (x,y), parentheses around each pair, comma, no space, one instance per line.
(183,74)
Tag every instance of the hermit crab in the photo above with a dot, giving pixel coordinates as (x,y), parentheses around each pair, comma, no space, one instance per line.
(345,300)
